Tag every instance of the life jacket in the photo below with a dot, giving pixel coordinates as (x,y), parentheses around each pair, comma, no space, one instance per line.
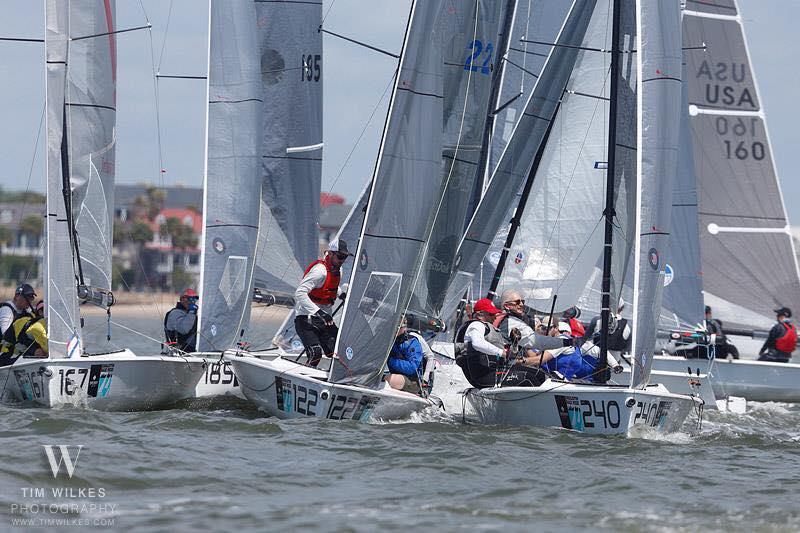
(17,314)
(183,342)
(573,365)
(17,342)
(616,337)
(578,331)
(465,349)
(326,294)
(788,341)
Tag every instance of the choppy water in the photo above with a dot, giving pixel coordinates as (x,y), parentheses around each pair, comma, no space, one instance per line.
(228,467)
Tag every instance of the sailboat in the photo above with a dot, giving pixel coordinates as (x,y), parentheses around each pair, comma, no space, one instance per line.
(391,241)
(642,147)
(80,47)
(745,248)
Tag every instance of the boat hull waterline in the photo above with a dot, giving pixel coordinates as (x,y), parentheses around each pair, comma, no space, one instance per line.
(286,389)
(117,381)
(591,409)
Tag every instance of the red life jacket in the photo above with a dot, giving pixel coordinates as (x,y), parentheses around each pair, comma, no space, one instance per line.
(498,319)
(578,331)
(788,342)
(326,294)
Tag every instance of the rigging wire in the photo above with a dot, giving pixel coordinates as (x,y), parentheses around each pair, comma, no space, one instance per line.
(28,187)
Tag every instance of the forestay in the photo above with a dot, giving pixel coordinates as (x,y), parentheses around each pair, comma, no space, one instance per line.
(471,34)
(659,58)
(232,182)
(291,153)
(405,193)
(748,257)
(519,153)
(81,117)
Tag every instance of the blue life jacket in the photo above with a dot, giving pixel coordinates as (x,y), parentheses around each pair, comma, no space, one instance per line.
(573,365)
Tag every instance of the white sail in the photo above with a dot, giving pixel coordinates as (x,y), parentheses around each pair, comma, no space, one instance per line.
(232,187)
(80,92)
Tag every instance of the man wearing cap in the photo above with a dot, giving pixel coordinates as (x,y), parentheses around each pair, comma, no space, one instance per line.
(313,301)
(481,348)
(782,339)
(180,322)
(27,337)
(17,307)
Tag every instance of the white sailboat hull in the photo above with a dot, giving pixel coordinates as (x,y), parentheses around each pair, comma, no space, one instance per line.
(286,389)
(679,383)
(218,378)
(117,381)
(759,381)
(592,409)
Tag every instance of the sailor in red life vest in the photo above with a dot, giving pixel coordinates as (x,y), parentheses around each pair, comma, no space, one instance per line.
(782,339)
(314,298)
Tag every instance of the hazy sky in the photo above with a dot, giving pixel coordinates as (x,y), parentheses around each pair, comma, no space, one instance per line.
(354,80)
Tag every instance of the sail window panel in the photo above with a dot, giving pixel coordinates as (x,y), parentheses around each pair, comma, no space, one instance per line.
(720,76)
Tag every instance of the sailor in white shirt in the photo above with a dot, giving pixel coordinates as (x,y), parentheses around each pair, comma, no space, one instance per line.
(16,307)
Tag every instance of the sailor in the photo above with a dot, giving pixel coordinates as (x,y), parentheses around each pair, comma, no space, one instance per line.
(513,316)
(180,322)
(16,307)
(314,299)
(406,360)
(480,348)
(782,339)
(27,337)
(722,345)
(569,361)
(619,333)
(570,316)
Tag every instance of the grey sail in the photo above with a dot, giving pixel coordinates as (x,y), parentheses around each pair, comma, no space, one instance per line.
(534,20)
(471,29)
(291,66)
(394,233)
(80,94)
(560,235)
(233,179)
(748,257)
(682,304)
(519,153)
(659,58)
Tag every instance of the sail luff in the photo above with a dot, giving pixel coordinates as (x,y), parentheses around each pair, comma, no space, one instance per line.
(232,182)
(659,96)
(394,233)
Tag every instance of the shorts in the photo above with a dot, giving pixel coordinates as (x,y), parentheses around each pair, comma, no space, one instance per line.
(410,385)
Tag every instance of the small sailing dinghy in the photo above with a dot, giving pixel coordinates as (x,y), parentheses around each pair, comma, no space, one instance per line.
(642,147)
(746,251)
(80,47)
(389,255)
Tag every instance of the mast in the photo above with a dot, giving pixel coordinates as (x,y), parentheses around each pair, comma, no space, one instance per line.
(517,219)
(609,212)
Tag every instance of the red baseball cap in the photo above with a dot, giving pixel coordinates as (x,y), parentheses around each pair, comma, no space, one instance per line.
(190,293)
(486,305)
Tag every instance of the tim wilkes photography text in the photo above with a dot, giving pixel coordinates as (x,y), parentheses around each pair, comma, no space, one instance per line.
(68,501)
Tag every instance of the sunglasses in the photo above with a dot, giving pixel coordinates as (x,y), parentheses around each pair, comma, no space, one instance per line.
(342,256)
(516,302)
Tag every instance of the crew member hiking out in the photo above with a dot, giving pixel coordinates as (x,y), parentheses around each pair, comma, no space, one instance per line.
(180,322)
(16,307)
(27,337)
(782,339)
(314,299)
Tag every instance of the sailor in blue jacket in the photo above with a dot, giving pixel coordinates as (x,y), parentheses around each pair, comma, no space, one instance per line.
(405,361)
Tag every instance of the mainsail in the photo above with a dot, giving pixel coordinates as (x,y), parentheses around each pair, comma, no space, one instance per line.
(394,233)
(291,152)
(748,257)
(517,158)
(659,58)
(80,50)
(471,28)
(233,180)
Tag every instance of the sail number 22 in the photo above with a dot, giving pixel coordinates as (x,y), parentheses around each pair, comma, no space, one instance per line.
(478,51)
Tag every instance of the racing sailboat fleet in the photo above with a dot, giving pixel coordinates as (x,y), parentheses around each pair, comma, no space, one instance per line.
(460,148)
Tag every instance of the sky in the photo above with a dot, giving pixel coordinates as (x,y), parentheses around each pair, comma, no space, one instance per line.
(355,95)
